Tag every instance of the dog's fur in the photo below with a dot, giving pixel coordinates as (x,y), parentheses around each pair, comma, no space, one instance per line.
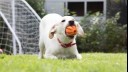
(52,27)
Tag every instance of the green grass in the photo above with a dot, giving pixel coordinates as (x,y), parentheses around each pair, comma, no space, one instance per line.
(91,62)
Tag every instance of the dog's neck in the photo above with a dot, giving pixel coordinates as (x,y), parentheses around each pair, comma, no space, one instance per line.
(65,39)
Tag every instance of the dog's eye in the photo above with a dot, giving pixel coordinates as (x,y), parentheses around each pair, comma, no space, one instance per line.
(63,21)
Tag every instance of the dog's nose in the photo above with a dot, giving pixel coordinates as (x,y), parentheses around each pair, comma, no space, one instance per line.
(71,22)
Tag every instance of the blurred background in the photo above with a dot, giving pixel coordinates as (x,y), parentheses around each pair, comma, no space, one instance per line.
(104,21)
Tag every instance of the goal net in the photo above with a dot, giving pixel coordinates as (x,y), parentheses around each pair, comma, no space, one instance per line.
(19,25)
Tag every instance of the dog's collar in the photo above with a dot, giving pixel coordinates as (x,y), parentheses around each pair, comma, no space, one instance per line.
(64,45)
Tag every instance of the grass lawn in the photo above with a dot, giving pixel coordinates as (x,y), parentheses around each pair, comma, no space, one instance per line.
(91,62)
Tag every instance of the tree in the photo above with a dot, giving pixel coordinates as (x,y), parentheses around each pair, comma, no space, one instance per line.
(38,6)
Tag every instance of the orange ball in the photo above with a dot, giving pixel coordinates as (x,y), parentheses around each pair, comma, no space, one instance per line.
(71,30)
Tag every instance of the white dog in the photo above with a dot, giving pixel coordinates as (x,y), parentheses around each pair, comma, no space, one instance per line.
(53,42)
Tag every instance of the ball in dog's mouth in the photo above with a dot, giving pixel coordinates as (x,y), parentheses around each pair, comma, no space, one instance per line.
(71,31)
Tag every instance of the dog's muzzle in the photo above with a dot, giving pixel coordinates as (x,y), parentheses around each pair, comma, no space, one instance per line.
(71,23)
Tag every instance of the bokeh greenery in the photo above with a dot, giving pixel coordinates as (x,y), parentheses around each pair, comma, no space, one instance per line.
(102,35)
(38,6)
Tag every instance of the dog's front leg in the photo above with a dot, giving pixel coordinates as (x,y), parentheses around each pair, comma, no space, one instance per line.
(76,53)
(42,49)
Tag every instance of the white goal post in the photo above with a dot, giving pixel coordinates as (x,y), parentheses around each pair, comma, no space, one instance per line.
(19,25)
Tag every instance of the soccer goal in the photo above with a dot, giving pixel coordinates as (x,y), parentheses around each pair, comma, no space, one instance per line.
(19,25)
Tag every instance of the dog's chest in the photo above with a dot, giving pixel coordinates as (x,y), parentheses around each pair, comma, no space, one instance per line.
(63,52)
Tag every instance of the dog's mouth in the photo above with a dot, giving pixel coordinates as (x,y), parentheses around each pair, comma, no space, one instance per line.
(70,31)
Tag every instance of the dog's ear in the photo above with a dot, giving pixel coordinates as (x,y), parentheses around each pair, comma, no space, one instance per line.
(52,32)
(80,30)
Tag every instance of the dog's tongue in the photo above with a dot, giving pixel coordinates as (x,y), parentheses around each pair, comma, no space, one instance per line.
(71,31)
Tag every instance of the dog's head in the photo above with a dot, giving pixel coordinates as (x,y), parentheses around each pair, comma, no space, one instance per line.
(60,28)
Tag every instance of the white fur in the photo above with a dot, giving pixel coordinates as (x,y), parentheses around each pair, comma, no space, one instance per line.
(48,43)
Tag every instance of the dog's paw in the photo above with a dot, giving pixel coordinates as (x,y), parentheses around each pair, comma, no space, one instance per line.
(78,56)
(53,57)
(50,57)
